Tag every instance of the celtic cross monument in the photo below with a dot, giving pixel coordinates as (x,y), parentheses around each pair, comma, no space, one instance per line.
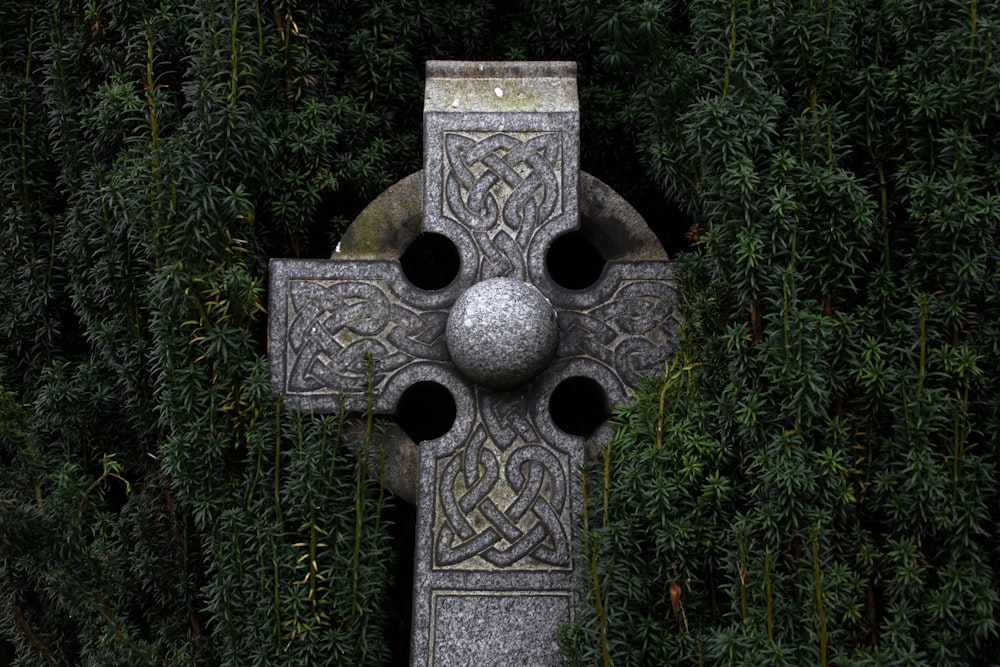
(548,298)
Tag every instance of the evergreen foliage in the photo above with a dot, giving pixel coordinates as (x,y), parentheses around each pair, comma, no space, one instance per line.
(157,507)
(815,483)
(816,480)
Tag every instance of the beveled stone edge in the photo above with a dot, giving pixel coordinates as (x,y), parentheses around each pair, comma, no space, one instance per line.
(499,69)
(461,87)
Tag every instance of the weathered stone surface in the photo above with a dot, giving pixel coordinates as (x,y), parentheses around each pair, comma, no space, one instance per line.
(462,87)
(497,492)
(387,226)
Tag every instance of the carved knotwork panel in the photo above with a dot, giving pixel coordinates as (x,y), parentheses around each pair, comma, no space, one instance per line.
(625,321)
(332,317)
(502,501)
(503,187)
(336,325)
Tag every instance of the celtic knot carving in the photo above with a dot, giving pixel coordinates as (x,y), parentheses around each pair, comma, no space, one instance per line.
(334,326)
(475,522)
(505,419)
(626,329)
(502,172)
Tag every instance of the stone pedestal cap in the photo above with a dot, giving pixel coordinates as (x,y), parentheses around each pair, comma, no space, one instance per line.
(463,86)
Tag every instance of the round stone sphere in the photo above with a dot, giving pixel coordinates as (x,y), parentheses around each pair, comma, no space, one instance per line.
(502,332)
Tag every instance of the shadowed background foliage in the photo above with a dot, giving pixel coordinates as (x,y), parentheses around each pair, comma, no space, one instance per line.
(815,482)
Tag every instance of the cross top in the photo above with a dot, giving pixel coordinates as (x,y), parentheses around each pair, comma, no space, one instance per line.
(497,488)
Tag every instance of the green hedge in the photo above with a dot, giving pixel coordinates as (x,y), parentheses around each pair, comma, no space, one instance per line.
(817,480)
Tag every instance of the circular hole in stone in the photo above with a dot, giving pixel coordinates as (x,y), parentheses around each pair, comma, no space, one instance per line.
(573,262)
(431,261)
(425,411)
(579,405)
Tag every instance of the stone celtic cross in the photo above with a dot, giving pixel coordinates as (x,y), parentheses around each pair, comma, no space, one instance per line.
(514,352)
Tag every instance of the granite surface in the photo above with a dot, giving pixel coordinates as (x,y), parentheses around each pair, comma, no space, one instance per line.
(501,332)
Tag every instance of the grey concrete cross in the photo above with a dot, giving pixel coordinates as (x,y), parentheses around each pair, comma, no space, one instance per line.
(497,490)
